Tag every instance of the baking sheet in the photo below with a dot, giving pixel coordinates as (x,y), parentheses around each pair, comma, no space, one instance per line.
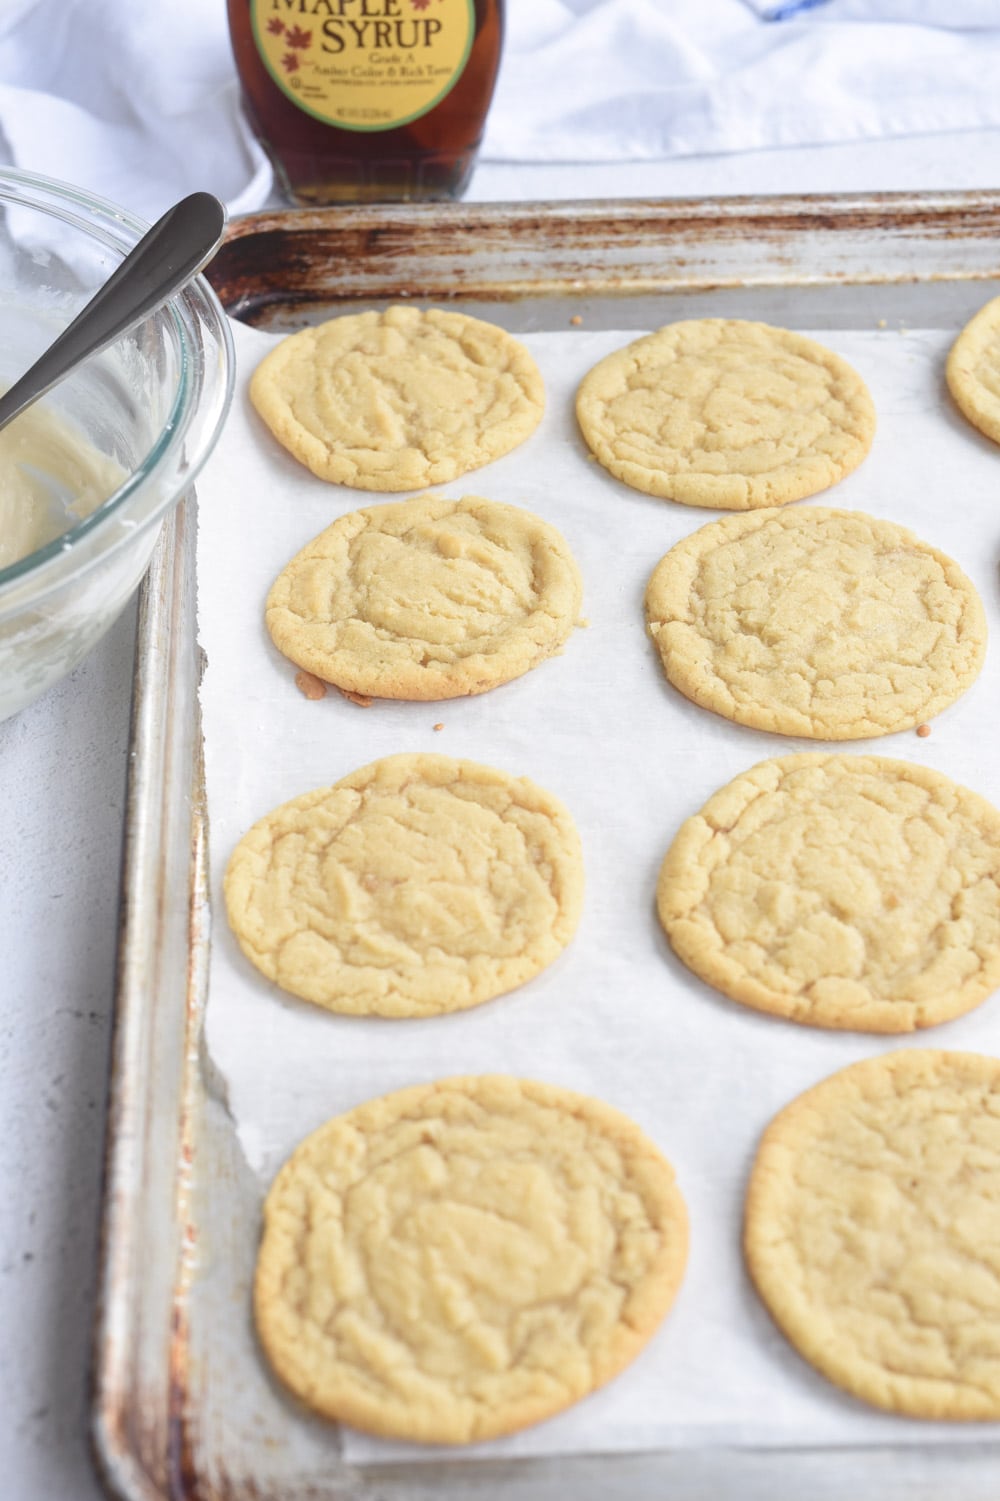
(616,1016)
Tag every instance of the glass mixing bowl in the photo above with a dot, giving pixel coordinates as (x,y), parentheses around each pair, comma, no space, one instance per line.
(154,402)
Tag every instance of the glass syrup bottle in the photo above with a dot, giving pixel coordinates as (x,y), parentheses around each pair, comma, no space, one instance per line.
(359,101)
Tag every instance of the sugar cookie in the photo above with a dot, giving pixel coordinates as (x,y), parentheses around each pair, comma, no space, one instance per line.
(815,622)
(872,1231)
(417,885)
(399,400)
(843,891)
(727,414)
(973,370)
(459,1260)
(427,598)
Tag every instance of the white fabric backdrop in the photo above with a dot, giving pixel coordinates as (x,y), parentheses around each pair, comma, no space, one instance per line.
(142,105)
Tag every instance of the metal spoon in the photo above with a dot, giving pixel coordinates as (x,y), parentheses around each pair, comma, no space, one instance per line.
(163,261)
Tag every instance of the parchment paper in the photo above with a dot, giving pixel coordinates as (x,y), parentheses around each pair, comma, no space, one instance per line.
(617,1016)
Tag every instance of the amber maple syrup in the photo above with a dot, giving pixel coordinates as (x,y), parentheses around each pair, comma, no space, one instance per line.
(365,100)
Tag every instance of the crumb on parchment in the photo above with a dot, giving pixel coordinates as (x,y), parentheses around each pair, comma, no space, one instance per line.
(362,699)
(309,685)
(923,730)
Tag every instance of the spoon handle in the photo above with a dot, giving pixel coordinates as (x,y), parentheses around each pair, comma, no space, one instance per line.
(160,264)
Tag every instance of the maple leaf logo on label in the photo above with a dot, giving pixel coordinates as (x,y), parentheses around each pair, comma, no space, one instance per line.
(296,37)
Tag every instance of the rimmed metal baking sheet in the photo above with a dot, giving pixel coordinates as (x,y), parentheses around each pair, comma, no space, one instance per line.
(182,1402)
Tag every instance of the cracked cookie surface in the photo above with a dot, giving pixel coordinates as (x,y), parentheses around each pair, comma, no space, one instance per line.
(727,414)
(816,622)
(427,598)
(973,370)
(399,400)
(417,885)
(872,1231)
(458,1260)
(851,892)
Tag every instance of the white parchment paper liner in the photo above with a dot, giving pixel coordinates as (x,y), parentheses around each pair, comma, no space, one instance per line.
(617,1016)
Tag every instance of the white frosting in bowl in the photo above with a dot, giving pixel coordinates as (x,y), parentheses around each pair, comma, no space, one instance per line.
(51,477)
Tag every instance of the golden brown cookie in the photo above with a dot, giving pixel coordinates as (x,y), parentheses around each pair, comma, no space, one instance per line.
(427,598)
(727,414)
(843,891)
(417,885)
(973,370)
(815,622)
(401,399)
(459,1260)
(873,1231)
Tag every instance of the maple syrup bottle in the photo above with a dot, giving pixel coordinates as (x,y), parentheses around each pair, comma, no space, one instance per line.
(358,101)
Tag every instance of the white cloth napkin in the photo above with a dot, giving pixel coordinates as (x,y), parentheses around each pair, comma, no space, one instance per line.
(610,80)
(955,14)
(141,104)
(136,102)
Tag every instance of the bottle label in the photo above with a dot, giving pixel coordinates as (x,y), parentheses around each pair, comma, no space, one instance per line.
(364,64)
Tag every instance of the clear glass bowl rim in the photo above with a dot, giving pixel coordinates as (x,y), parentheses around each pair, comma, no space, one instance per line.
(196,307)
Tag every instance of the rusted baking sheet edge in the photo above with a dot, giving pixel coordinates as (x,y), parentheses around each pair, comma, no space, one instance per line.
(631,246)
(147,1237)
